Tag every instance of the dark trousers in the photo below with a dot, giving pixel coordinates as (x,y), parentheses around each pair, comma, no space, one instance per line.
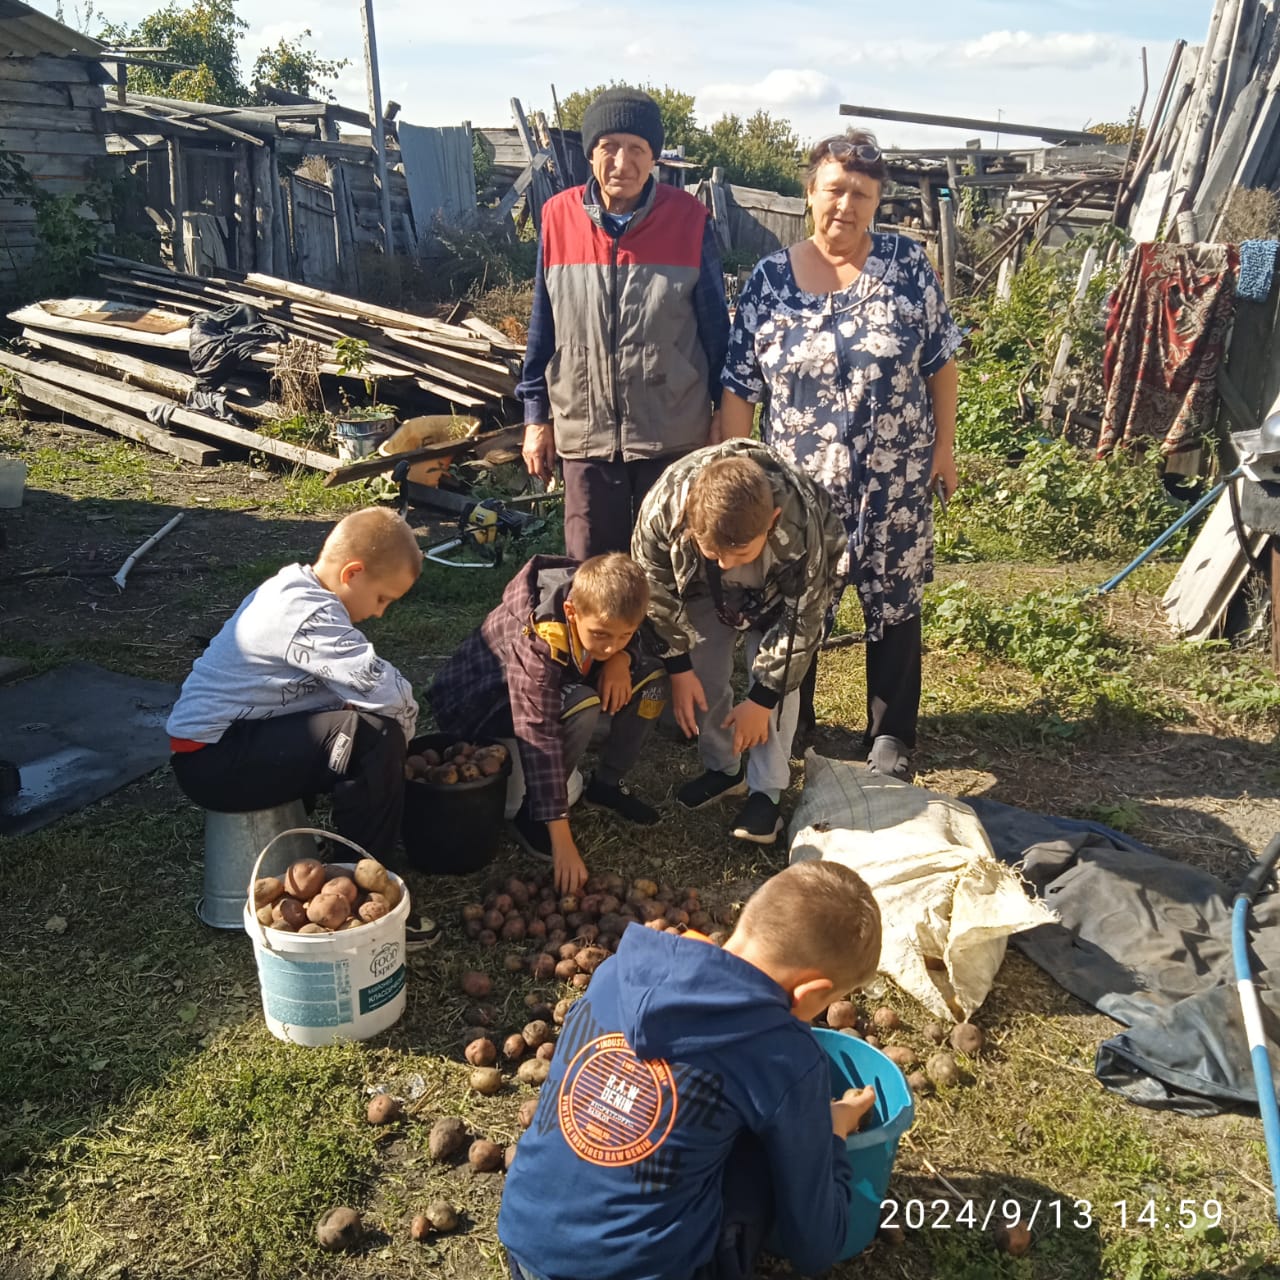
(629,728)
(602,500)
(893,683)
(745,1223)
(356,756)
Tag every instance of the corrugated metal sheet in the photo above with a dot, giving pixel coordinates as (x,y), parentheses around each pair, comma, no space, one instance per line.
(26,33)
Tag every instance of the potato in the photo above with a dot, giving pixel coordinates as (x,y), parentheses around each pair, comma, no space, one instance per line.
(442,1215)
(645,888)
(513,1048)
(264,915)
(486,1080)
(920,1083)
(383,1109)
(535,1033)
(494,919)
(472,911)
(371,875)
(304,878)
(483,1015)
(481,1052)
(935,1032)
(487,938)
(476,984)
(536,929)
(352,922)
(852,1032)
(565,969)
(393,893)
(267,890)
(345,886)
(444,775)
(315,928)
(526,1113)
(580,981)
(513,930)
(589,959)
(542,966)
(432,757)
(841,1014)
(468,772)
(373,908)
(508,1158)
(546,1051)
(1014,1240)
(568,904)
(328,909)
(288,914)
(873,1041)
(561,1011)
(419,1228)
(967,1039)
(533,1071)
(339,1228)
(885,1018)
(448,1136)
(943,1069)
(484,1156)
(900,1055)
(415,766)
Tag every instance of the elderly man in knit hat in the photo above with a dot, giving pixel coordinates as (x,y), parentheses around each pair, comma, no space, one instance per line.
(629,328)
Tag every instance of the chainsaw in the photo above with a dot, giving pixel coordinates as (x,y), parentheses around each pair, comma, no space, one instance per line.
(483,523)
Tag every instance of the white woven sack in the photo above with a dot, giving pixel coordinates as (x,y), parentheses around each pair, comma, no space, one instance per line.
(947,904)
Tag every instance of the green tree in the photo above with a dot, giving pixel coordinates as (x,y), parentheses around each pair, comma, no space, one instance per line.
(679,124)
(205,35)
(757,152)
(291,65)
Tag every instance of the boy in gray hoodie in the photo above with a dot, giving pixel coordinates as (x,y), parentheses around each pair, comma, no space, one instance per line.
(290,699)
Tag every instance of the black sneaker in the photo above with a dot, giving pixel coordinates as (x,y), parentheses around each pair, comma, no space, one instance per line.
(621,801)
(759,820)
(713,785)
(420,932)
(533,837)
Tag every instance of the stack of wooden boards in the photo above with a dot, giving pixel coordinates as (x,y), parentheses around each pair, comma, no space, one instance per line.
(120,361)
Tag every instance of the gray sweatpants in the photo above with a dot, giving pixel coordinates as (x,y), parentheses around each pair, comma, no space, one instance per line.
(768,765)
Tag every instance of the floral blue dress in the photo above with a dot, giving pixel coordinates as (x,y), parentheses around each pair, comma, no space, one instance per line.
(843,380)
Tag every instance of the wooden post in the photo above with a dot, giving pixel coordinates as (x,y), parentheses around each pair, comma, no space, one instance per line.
(376,122)
(263,212)
(926,204)
(348,260)
(243,186)
(178,201)
(953,185)
(281,251)
(1054,388)
(1275,604)
(720,210)
(947,246)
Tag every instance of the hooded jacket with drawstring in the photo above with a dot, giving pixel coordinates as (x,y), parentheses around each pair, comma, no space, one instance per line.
(675,1051)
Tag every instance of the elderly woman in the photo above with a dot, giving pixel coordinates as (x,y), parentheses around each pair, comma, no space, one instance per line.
(847,340)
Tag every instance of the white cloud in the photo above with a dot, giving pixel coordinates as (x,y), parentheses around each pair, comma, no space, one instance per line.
(1022,51)
(778,89)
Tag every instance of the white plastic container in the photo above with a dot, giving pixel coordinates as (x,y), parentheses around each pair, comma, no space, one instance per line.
(13,480)
(322,987)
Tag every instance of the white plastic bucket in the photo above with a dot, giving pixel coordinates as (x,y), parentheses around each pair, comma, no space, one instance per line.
(13,479)
(322,987)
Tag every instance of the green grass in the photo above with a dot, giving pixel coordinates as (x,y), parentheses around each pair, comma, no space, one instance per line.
(155,1129)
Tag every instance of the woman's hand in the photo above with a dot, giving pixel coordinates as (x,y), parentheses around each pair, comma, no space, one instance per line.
(944,473)
(614,686)
(750,724)
(539,450)
(687,699)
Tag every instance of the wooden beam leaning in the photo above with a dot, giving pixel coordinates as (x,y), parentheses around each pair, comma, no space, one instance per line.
(109,389)
(1048,132)
(100,415)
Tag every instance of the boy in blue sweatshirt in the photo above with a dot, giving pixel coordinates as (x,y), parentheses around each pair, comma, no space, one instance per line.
(688,1111)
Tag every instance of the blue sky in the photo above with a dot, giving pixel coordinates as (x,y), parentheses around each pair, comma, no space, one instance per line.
(1065,63)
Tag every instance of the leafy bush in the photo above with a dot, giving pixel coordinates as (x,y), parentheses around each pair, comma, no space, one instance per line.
(1059,504)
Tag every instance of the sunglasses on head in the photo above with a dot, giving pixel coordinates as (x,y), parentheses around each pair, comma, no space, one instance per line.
(867,152)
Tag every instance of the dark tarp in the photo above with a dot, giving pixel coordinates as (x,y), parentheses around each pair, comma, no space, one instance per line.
(224,340)
(1147,941)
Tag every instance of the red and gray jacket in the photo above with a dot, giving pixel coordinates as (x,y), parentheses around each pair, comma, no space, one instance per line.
(627,373)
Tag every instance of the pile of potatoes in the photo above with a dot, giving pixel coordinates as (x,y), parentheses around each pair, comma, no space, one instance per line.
(940,1064)
(569,936)
(325,897)
(462,762)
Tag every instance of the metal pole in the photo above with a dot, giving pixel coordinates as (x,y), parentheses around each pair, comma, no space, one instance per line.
(375,118)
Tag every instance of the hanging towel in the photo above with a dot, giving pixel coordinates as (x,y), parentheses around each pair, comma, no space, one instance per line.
(1165,336)
(1257,266)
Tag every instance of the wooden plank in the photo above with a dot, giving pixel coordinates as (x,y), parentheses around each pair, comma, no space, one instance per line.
(112,391)
(242,184)
(1220,172)
(263,212)
(51,95)
(1049,133)
(45,70)
(521,184)
(947,245)
(151,376)
(59,119)
(100,415)
(52,142)
(348,258)
(177,206)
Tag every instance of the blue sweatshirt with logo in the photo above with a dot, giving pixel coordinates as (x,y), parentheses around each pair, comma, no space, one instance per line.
(676,1049)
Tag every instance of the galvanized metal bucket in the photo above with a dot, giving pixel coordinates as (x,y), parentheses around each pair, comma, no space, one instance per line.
(232,842)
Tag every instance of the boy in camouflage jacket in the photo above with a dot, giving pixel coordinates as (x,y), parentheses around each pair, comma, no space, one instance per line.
(735,540)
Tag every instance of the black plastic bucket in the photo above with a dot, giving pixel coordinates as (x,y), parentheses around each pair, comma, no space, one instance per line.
(452,829)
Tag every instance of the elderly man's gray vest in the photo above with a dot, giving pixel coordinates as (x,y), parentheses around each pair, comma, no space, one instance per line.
(629,376)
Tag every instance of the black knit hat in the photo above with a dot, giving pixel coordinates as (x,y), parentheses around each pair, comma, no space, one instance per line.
(622,111)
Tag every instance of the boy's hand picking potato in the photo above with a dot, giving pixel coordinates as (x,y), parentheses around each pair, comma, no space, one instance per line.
(848,1114)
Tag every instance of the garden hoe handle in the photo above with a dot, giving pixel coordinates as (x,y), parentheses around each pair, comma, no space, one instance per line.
(1263,1080)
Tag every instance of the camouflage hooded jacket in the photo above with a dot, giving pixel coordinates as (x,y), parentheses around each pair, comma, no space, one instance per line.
(804,580)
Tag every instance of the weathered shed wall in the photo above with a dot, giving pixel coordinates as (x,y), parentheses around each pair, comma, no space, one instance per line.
(49,121)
